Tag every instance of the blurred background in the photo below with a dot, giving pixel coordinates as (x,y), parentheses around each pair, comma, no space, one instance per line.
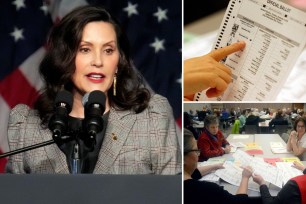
(153,28)
(194,10)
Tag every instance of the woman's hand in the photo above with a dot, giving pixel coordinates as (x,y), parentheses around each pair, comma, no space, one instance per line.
(298,165)
(258,179)
(293,137)
(205,72)
(219,166)
(227,149)
(247,171)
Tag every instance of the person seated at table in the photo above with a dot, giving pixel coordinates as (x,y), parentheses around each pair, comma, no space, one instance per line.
(225,118)
(202,114)
(297,139)
(188,124)
(212,142)
(209,192)
(278,120)
(224,114)
(242,120)
(293,192)
(253,118)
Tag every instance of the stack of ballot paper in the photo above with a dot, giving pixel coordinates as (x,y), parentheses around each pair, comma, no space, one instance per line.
(278,148)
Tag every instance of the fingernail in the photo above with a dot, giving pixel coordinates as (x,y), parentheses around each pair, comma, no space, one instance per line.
(241,42)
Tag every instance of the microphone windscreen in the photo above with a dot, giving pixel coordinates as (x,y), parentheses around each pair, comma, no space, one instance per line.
(94,97)
(85,99)
(64,97)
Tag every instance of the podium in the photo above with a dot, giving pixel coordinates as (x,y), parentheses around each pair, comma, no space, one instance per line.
(90,188)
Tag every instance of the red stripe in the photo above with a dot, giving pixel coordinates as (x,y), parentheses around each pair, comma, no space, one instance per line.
(179,122)
(15,89)
(2,163)
(301,180)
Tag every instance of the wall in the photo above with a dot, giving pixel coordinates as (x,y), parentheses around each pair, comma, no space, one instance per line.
(259,106)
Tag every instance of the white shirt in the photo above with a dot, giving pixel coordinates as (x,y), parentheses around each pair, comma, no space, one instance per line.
(302,143)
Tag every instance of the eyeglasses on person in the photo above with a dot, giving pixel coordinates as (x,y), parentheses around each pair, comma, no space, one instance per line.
(197,151)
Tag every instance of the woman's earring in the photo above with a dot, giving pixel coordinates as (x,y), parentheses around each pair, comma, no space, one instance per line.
(114,85)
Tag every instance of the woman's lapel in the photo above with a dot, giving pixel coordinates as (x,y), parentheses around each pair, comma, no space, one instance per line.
(118,128)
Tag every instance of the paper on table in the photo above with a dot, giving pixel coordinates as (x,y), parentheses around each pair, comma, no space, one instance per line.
(233,149)
(252,145)
(253,148)
(276,144)
(235,137)
(278,148)
(244,158)
(272,160)
(290,159)
(210,162)
(237,144)
(216,160)
(211,176)
(267,171)
(232,174)
(288,171)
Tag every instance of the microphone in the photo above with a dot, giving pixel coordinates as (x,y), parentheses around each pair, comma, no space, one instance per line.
(94,107)
(58,123)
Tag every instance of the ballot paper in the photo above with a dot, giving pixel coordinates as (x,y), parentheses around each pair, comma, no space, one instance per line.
(269,172)
(211,176)
(277,175)
(288,171)
(233,174)
(237,144)
(274,33)
(278,148)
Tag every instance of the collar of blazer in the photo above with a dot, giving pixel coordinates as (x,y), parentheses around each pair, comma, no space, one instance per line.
(118,128)
(57,158)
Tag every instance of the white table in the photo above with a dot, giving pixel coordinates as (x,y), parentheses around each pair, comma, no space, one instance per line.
(262,140)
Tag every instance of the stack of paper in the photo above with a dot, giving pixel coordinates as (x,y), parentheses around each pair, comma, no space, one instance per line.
(233,174)
(277,175)
(272,160)
(253,148)
(287,171)
(235,145)
(278,148)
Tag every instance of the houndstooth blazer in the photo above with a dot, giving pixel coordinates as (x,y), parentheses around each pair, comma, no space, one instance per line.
(143,143)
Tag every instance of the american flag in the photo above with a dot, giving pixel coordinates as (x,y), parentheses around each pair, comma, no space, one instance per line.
(153,28)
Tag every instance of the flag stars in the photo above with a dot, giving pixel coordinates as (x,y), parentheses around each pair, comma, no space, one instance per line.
(17,34)
(161,14)
(44,8)
(19,4)
(158,45)
(131,9)
(179,81)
